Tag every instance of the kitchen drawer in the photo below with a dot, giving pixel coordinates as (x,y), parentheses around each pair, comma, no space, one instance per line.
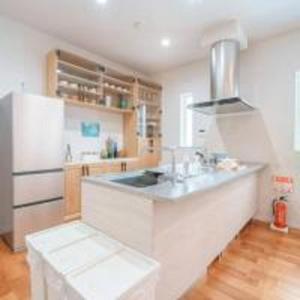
(35,218)
(38,187)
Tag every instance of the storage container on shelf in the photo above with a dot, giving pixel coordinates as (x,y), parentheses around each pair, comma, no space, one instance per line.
(43,242)
(127,275)
(81,254)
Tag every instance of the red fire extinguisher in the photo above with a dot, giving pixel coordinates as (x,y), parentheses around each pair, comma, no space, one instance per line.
(280,209)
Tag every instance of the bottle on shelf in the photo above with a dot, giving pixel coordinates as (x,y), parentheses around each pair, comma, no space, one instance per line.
(123,102)
(69,156)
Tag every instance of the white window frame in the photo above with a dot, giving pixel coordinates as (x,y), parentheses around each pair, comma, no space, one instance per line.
(186,120)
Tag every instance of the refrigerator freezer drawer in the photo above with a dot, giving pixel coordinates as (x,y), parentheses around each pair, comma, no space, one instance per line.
(35,218)
(38,187)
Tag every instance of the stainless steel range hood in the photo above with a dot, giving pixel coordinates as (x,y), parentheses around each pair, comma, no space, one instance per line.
(224,81)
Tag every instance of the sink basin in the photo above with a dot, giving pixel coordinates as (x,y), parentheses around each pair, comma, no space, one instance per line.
(140,181)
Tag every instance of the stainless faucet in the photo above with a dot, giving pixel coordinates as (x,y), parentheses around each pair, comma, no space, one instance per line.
(174,176)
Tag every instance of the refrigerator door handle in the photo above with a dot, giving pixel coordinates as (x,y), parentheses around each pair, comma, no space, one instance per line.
(34,172)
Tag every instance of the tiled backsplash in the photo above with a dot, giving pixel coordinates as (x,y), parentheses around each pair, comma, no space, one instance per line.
(111,125)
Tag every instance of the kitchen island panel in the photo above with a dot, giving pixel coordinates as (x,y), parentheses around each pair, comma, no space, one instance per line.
(184,236)
(189,235)
(125,217)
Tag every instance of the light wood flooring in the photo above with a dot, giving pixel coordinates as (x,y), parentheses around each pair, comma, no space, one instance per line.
(261,264)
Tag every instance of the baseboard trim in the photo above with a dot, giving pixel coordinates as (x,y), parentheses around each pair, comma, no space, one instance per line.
(71,218)
(267,224)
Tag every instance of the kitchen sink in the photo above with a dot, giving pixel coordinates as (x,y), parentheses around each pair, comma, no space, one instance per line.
(140,181)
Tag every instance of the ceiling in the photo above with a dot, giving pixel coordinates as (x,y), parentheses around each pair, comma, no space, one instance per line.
(129,31)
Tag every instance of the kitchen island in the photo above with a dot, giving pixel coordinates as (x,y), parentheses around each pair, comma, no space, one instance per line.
(184,226)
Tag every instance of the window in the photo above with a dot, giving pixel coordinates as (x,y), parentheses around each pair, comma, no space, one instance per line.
(297,113)
(186,120)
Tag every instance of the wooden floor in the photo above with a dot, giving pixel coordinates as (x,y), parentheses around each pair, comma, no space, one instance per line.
(14,275)
(259,265)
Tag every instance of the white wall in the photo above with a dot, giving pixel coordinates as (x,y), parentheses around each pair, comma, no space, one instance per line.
(111,125)
(267,81)
(23,57)
(23,54)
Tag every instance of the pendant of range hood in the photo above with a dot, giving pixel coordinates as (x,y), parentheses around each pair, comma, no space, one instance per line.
(224,82)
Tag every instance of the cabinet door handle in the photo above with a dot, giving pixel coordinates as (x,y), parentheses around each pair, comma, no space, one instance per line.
(82,171)
(87,170)
(123,166)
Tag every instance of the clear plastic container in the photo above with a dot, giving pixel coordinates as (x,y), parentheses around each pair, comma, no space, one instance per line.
(68,259)
(126,275)
(41,243)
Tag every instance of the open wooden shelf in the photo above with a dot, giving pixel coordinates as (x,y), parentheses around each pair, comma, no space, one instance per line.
(98,107)
(76,91)
(148,103)
(116,91)
(77,79)
(115,80)
(69,67)
(78,61)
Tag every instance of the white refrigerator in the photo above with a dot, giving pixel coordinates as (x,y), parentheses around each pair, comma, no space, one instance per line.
(31,165)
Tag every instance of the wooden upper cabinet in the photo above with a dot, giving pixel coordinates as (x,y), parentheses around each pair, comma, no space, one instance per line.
(149,111)
(88,84)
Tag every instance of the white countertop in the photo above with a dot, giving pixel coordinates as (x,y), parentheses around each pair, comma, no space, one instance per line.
(167,191)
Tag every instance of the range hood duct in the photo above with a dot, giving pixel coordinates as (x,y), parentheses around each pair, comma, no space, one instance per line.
(224,81)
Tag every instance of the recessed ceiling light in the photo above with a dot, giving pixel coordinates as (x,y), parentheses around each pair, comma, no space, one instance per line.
(165,42)
(101,1)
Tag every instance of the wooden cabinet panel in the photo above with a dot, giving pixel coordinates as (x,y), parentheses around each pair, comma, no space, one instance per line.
(149,161)
(73,193)
(97,169)
(114,167)
(133,165)
(151,155)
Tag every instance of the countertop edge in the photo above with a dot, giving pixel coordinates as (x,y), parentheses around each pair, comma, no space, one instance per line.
(148,195)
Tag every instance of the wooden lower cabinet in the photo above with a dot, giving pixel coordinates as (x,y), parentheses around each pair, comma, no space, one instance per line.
(133,165)
(73,193)
(73,175)
(96,169)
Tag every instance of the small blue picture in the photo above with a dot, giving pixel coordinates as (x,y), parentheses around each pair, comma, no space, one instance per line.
(90,129)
